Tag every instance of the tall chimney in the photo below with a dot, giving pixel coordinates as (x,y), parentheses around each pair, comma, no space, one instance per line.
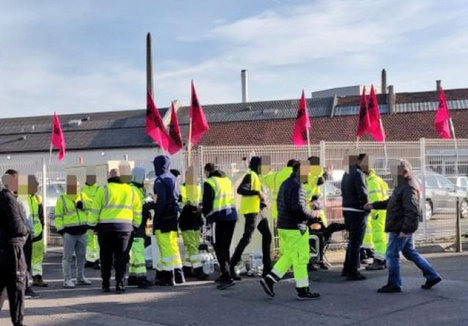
(245,86)
(391,100)
(438,84)
(149,65)
(383,90)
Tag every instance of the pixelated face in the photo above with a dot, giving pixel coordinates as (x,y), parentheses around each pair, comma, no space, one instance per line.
(33,185)
(22,185)
(125,172)
(11,182)
(72,185)
(191,177)
(304,171)
(398,173)
(315,168)
(265,165)
(364,162)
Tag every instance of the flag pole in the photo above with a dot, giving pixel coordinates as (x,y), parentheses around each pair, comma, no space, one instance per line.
(357,143)
(50,154)
(309,151)
(455,144)
(385,145)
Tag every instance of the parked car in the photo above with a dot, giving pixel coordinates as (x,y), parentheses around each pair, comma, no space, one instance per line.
(441,195)
(460,182)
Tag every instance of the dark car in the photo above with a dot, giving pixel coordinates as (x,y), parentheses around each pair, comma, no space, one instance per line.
(441,195)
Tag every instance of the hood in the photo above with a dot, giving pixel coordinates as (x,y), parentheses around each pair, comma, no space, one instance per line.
(254,164)
(161,164)
(217,173)
(138,175)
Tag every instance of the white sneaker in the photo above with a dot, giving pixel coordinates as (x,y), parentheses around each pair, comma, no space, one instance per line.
(68,284)
(83,281)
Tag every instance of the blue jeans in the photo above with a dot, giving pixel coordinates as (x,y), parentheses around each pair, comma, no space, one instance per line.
(406,247)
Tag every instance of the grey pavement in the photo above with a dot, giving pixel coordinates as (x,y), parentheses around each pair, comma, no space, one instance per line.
(199,303)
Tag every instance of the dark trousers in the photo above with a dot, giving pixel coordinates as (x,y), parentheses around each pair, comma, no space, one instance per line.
(113,251)
(253,221)
(13,278)
(27,249)
(356,226)
(223,231)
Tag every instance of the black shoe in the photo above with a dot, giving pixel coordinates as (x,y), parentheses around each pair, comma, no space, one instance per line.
(323,266)
(164,278)
(356,277)
(389,288)
(268,284)
(344,273)
(234,274)
(179,276)
(30,294)
(187,272)
(97,265)
(430,284)
(200,274)
(144,284)
(89,264)
(132,281)
(37,281)
(305,294)
(377,265)
(225,284)
(119,288)
(219,279)
(105,286)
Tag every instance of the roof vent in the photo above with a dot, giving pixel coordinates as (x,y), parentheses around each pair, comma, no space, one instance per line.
(248,108)
(86,119)
(75,123)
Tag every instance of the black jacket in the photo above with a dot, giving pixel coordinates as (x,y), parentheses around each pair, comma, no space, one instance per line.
(293,213)
(403,210)
(354,190)
(13,230)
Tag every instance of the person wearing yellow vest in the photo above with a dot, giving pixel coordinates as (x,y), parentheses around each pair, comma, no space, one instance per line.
(36,211)
(115,212)
(378,191)
(92,248)
(219,208)
(166,213)
(190,222)
(71,223)
(252,202)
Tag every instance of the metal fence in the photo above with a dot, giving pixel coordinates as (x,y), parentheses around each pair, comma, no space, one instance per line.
(434,162)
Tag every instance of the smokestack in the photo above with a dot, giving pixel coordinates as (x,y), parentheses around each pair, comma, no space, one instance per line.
(438,85)
(245,86)
(149,65)
(384,82)
(391,99)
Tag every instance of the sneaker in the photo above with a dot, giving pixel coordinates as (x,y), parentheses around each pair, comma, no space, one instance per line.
(37,281)
(305,294)
(430,284)
(68,284)
(225,284)
(235,276)
(267,284)
(30,294)
(377,265)
(119,288)
(355,277)
(83,281)
(323,266)
(389,288)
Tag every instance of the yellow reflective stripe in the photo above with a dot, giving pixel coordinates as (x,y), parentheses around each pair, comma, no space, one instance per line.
(95,211)
(119,207)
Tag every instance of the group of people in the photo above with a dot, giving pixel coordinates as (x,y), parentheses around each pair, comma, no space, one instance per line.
(105,226)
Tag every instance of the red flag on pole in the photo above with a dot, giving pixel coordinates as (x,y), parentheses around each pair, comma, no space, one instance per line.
(175,136)
(364,119)
(198,119)
(57,140)
(154,124)
(442,118)
(300,135)
(376,129)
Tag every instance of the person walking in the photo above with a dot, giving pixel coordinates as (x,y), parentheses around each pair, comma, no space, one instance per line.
(403,215)
(219,208)
(13,233)
(251,204)
(293,220)
(115,212)
(354,193)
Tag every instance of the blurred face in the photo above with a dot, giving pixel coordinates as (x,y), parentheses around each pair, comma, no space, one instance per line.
(72,185)
(304,171)
(191,176)
(265,165)
(125,173)
(91,179)
(22,185)
(10,182)
(364,164)
(33,185)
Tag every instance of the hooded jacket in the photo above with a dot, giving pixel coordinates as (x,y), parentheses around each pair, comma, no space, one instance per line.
(167,194)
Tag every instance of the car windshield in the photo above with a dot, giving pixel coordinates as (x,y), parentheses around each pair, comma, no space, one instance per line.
(54,190)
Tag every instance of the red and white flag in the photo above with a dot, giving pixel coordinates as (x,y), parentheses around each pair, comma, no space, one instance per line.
(154,124)
(442,118)
(57,139)
(302,124)
(175,136)
(198,118)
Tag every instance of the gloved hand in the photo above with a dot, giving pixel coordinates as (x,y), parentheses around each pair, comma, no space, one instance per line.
(79,205)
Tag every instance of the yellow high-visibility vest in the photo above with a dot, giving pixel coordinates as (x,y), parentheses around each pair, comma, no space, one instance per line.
(34,201)
(377,188)
(66,213)
(251,204)
(191,194)
(224,196)
(273,182)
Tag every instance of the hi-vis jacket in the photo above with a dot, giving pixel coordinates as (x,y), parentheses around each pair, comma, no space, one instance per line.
(36,211)
(68,218)
(116,208)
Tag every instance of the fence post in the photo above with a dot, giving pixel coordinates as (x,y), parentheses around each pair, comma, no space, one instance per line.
(45,231)
(422,151)
(458,240)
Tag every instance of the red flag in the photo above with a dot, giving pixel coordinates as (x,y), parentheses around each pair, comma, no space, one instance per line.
(56,139)
(198,119)
(175,136)
(376,129)
(302,125)
(364,119)
(154,124)
(442,117)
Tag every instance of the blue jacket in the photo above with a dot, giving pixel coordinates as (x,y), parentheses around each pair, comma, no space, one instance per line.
(167,190)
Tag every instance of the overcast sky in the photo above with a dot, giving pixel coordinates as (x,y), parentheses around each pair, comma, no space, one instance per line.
(85,56)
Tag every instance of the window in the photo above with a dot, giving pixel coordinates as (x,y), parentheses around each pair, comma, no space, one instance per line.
(444,183)
(431,182)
